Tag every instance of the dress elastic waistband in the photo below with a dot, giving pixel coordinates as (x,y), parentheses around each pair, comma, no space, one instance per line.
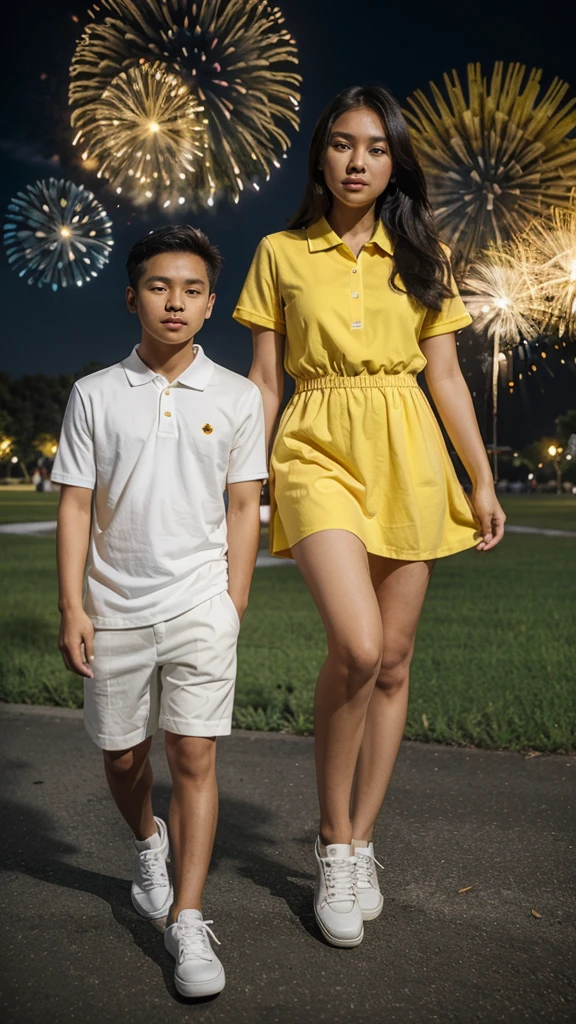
(365,380)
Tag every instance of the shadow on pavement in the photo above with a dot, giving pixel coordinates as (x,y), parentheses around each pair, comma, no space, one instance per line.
(32,847)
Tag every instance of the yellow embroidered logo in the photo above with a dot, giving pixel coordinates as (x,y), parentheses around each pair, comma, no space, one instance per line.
(207,428)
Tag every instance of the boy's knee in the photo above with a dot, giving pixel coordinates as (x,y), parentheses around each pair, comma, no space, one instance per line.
(192,757)
(124,762)
(119,762)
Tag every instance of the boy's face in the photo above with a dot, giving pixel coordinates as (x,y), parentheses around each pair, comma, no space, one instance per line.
(173,298)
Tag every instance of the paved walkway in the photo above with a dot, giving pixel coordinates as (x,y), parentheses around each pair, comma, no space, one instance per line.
(75,951)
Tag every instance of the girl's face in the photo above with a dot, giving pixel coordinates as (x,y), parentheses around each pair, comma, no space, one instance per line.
(357,164)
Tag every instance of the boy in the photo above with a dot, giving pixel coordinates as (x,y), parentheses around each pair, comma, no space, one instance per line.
(148,447)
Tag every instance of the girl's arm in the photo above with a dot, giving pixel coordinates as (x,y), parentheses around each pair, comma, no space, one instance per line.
(267,372)
(454,403)
(76,639)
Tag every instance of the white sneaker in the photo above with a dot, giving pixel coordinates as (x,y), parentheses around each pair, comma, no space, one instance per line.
(367,887)
(198,970)
(152,893)
(336,906)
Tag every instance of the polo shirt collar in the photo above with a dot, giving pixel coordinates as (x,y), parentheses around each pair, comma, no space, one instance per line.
(321,237)
(194,376)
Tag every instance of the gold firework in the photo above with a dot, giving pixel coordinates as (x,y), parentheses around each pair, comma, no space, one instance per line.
(498,293)
(552,244)
(147,136)
(234,56)
(496,159)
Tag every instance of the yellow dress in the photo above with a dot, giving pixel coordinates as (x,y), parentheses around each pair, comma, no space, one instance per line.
(358,447)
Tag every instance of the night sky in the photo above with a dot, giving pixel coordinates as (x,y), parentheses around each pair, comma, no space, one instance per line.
(405,45)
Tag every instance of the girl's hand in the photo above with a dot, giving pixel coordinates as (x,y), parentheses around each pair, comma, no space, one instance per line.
(491,516)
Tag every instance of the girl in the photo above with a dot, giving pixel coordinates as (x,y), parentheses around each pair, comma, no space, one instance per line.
(354,300)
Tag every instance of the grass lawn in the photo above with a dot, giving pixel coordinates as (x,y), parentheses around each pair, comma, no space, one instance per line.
(555,511)
(26,506)
(495,661)
(552,511)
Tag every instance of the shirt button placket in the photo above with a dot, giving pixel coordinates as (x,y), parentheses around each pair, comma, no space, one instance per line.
(167,418)
(356,303)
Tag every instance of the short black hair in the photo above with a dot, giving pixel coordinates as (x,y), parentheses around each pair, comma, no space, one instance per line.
(173,238)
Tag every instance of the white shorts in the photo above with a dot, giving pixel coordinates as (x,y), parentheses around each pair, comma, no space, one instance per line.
(177,675)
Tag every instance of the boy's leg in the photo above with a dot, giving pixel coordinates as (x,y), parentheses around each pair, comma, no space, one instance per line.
(193,816)
(129,775)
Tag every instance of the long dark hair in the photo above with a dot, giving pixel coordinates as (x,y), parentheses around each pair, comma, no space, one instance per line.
(420,266)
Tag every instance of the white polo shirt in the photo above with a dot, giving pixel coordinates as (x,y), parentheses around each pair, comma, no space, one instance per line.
(159,457)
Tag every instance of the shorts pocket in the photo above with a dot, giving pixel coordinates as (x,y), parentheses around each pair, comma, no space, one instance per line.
(232,608)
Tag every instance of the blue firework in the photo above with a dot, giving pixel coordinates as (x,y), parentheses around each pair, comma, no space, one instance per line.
(57,234)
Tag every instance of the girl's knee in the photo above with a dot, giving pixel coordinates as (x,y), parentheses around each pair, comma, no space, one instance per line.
(360,660)
(394,670)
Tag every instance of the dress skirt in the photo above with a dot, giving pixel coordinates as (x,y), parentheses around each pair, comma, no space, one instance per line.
(366,454)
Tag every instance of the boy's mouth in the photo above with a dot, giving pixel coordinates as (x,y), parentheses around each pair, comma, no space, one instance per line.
(174,322)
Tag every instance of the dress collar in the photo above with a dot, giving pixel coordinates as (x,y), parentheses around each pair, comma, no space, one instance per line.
(321,237)
(194,376)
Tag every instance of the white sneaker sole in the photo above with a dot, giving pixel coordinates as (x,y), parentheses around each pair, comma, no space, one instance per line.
(333,940)
(156,914)
(198,989)
(371,915)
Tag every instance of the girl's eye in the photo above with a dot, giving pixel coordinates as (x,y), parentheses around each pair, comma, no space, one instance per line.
(340,145)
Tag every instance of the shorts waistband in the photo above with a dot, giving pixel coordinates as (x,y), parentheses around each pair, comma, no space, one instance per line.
(365,380)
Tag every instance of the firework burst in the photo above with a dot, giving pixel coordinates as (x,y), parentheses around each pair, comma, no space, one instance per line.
(235,57)
(146,135)
(57,233)
(552,244)
(498,295)
(496,159)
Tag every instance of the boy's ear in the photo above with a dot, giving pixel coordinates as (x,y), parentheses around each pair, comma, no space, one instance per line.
(210,306)
(131,299)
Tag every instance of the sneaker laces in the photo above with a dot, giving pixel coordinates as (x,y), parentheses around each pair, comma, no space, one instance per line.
(194,941)
(339,875)
(152,870)
(365,868)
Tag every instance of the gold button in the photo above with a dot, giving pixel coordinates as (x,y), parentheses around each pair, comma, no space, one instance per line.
(167,413)
(167,392)
(355,271)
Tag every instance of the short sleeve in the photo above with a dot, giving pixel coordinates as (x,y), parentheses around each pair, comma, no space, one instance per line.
(452,317)
(75,462)
(260,300)
(248,455)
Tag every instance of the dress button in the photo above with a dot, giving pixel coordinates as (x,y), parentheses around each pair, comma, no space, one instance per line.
(355,271)
(167,413)
(167,392)
(354,295)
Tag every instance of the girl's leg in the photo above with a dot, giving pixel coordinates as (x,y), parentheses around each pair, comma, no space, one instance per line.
(400,589)
(335,566)
(193,816)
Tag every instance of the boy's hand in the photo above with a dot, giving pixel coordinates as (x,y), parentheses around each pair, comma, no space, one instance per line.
(76,642)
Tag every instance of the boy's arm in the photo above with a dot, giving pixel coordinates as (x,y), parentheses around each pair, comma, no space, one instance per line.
(76,639)
(243,519)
